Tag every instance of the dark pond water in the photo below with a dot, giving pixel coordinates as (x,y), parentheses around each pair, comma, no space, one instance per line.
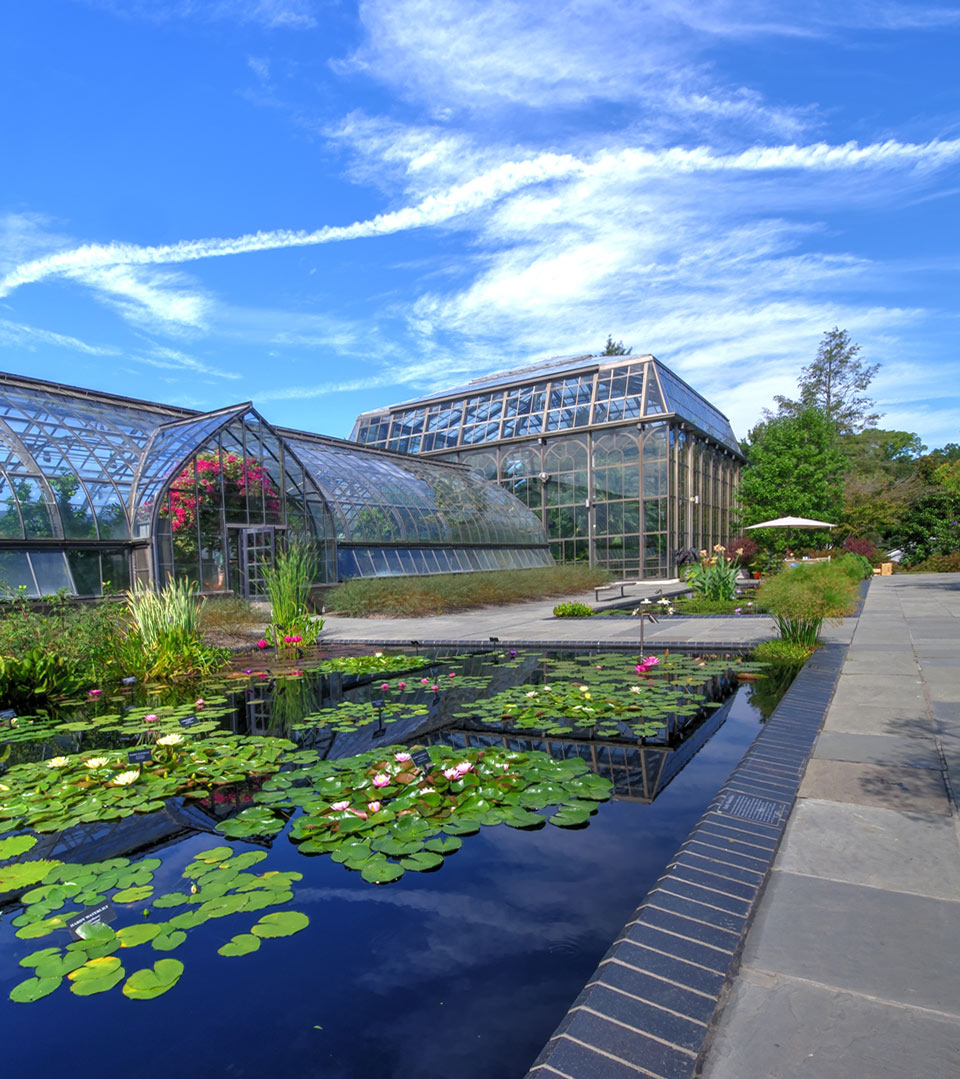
(462,972)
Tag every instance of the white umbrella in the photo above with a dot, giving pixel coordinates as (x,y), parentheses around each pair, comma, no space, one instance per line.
(792,522)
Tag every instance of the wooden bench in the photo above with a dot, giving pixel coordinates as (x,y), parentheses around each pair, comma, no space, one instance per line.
(610,587)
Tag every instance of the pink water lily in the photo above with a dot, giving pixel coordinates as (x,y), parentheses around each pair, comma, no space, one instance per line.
(436,689)
(451,774)
(401,685)
(374,807)
(401,757)
(424,681)
(339,806)
(199,704)
(384,685)
(262,643)
(463,767)
(381,779)
(453,674)
(150,717)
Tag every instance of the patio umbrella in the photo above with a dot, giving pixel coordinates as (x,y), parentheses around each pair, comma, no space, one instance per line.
(792,522)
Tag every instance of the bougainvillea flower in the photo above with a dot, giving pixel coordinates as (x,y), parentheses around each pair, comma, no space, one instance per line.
(150,717)
(124,779)
(58,762)
(401,757)
(94,692)
(170,740)
(338,806)
(374,807)
(95,762)
(381,779)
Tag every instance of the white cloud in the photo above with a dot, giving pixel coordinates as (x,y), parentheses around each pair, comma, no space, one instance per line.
(19,335)
(272,14)
(173,360)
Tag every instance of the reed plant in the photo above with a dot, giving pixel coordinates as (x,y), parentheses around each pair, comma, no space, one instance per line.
(288,582)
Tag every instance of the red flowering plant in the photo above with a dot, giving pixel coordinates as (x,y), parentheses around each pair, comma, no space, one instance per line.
(240,477)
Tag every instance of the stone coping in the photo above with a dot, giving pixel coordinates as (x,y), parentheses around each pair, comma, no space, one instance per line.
(648,1009)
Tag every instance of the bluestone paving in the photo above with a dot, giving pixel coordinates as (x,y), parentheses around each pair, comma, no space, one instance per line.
(878,749)
(912,790)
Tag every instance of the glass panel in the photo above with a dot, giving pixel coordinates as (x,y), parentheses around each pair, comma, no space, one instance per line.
(85,568)
(50,570)
(15,572)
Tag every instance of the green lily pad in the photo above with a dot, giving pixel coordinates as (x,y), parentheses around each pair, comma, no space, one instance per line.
(380,871)
(568,816)
(132,935)
(16,844)
(34,958)
(448,845)
(96,976)
(34,989)
(23,874)
(171,899)
(149,983)
(281,923)
(58,966)
(166,942)
(134,895)
(423,861)
(241,944)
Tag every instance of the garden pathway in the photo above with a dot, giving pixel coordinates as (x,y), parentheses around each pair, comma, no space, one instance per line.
(851,969)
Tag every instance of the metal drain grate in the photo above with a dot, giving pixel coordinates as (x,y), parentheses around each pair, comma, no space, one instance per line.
(747,807)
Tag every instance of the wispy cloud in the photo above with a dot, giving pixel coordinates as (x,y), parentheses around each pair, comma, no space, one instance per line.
(98,263)
(273,14)
(170,359)
(19,335)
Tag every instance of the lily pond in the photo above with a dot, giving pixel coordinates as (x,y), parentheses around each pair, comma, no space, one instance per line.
(404,866)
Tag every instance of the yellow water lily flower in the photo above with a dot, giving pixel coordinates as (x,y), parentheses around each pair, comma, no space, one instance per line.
(124,779)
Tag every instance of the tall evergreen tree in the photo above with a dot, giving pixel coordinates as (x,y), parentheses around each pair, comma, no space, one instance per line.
(615,348)
(835,382)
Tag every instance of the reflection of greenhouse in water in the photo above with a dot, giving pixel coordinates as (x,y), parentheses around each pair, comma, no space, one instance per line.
(98,488)
(622,461)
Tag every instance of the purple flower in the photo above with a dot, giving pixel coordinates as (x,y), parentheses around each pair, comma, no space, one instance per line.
(95,692)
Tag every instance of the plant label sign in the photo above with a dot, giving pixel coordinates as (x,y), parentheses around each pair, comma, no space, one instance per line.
(80,924)
(138,756)
(188,721)
(128,681)
(422,760)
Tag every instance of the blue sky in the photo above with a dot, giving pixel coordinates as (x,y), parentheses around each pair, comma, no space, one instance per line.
(325,207)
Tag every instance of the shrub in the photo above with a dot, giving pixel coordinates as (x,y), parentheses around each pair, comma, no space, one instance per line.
(938,563)
(801,599)
(165,641)
(572,610)
(861,547)
(288,584)
(856,566)
(748,548)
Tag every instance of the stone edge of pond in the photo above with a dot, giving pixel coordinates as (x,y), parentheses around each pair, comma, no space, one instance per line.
(563,645)
(649,1007)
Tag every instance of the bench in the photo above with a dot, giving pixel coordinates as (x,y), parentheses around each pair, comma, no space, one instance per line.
(610,587)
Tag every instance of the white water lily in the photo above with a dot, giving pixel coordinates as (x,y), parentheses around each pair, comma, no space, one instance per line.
(170,740)
(124,779)
(95,762)
(58,762)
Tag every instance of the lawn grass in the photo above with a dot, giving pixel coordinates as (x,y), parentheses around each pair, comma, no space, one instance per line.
(446,592)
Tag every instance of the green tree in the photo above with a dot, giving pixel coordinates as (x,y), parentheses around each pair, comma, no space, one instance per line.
(881,482)
(835,382)
(615,348)
(794,468)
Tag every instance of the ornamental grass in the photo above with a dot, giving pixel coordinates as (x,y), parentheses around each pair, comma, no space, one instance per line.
(802,599)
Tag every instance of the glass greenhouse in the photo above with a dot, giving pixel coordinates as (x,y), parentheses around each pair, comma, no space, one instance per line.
(621,460)
(98,491)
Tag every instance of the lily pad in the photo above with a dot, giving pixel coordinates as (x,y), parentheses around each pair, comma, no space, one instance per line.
(241,944)
(281,923)
(423,861)
(149,983)
(380,871)
(166,942)
(23,874)
(96,976)
(16,844)
(134,895)
(34,989)
(132,935)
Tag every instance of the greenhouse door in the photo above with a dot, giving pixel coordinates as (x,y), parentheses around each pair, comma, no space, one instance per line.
(256,550)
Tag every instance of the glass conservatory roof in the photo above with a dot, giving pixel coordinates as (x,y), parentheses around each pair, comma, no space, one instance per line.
(558,395)
(377,497)
(75,464)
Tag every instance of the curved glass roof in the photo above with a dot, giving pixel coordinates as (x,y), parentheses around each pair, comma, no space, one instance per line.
(559,395)
(377,497)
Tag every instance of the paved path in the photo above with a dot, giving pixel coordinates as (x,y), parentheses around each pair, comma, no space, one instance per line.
(851,969)
(533,623)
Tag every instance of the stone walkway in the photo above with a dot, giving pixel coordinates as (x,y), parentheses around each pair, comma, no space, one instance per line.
(851,969)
